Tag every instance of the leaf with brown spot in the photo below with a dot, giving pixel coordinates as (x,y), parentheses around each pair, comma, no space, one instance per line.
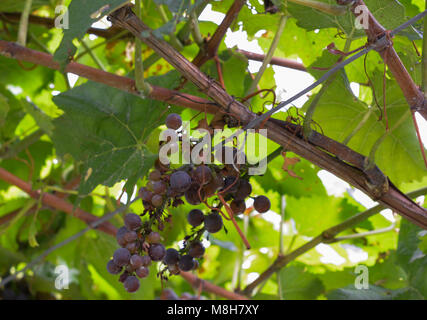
(288,162)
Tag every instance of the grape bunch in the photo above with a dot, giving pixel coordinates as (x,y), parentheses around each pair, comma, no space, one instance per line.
(169,187)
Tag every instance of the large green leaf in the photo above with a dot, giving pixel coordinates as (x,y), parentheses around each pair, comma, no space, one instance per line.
(411,258)
(107,130)
(82,14)
(314,214)
(373,293)
(390,13)
(297,284)
(340,114)
(18,5)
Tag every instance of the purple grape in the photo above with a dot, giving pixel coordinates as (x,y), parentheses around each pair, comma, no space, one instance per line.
(202,175)
(230,184)
(243,191)
(159,187)
(172,257)
(196,249)
(146,261)
(238,206)
(132,221)
(145,194)
(157,200)
(155,175)
(180,181)
(132,247)
(195,217)
(142,272)
(186,263)
(213,222)
(113,268)
(192,195)
(131,284)
(130,236)
(153,237)
(120,236)
(121,257)
(262,204)
(173,121)
(136,261)
(157,252)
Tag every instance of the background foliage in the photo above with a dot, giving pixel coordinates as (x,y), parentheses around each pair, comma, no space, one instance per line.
(112,135)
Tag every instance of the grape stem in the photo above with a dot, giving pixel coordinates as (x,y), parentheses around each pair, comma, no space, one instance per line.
(231,215)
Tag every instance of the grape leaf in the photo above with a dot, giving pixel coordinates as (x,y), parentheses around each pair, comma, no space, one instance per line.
(411,258)
(82,14)
(373,293)
(316,213)
(297,284)
(18,5)
(107,130)
(389,13)
(341,114)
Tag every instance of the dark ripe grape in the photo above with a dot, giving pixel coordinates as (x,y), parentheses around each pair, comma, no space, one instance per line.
(238,206)
(213,222)
(157,252)
(146,261)
(202,175)
(209,190)
(132,221)
(216,183)
(230,184)
(196,249)
(123,276)
(136,261)
(132,247)
(131,284)
(172,257)
(153,237)
(130,236)
(180,181)
(173,121)
(145,194)
(142,272)
(262,204)
(195,217)
(192,195)
(157,200)
(168,294)
(244,190)
(186,263)
(113,268)
(159,187)
(155,175)
(120,236)
(121,257)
